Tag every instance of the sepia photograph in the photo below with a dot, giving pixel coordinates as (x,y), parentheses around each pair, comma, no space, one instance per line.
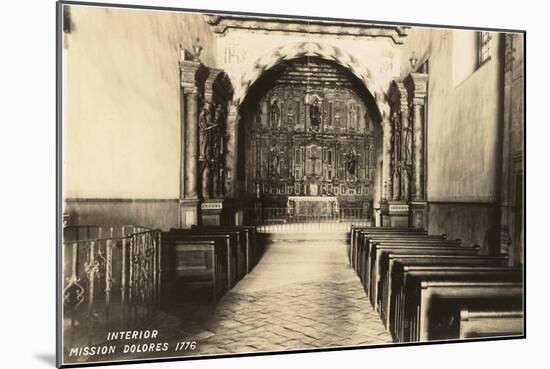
(234,184)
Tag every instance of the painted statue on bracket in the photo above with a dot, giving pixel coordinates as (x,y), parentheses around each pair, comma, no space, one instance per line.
(205,127)
(217,139)
(315,115)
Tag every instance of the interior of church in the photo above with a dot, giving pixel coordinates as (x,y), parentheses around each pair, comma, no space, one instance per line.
(248,183)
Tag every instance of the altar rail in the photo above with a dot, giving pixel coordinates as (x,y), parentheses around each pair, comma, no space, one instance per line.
(269,220)
(111,280)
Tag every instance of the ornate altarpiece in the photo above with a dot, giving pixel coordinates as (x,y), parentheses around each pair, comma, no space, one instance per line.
(311,140)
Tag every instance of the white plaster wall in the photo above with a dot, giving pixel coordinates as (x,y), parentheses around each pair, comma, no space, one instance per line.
(121,112)
(463,120)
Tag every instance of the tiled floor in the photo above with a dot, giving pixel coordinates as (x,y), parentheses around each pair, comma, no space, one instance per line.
(302,294)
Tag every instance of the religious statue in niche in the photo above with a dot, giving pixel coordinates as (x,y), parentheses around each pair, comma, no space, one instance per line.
(275,114)
(291,115)
(337,115)
(205,127)
(315,115)
(351,164)
(352,115)
(217,136)
(274,162)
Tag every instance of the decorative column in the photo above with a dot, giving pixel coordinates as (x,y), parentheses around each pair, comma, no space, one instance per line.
(406,150)
(386,158)
(233,119)
(395,211)
(416,84)
(385,220)
(418,151)
(189,199)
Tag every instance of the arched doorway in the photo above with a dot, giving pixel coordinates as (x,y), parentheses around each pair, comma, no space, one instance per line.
(309,143)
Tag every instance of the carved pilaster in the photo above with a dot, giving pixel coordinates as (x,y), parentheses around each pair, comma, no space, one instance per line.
(396,163)
(188,70)
(386,159)
(406,144)
(231,149)
(416,84)
(189,201)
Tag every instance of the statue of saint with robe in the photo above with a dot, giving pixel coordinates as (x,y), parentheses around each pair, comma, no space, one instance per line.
(315,114)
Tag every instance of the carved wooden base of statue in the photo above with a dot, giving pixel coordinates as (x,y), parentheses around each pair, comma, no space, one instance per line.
(216,212)
(394,213)
(206,180)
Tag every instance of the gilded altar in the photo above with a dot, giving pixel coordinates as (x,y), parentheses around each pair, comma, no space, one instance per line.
(309,206)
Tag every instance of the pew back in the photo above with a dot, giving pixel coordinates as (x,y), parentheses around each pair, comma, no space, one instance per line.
(379,249)
(196,263)
(425,289)
(387,289)
(230,242)
(490,323)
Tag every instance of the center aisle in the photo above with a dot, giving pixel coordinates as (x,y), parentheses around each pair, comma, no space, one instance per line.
(302,294)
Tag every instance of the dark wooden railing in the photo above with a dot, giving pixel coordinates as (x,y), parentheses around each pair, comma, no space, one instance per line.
(111,279)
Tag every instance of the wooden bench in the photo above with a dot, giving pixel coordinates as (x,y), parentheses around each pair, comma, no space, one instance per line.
(229,239)
(241,237)
(363,266)
(357,233)
(425,288)
(489,323)
(376,251)
(251,247)
(366,241)
(195,263)
(389,260)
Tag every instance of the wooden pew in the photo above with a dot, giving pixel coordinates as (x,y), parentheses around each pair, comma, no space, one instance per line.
(230,240)
(242,244)
(388,261)
(195,263)
(489,323)
(363,266)
(425,288)
(366,241)
(376,251)
(355,233)
(251,248)
(358,232)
